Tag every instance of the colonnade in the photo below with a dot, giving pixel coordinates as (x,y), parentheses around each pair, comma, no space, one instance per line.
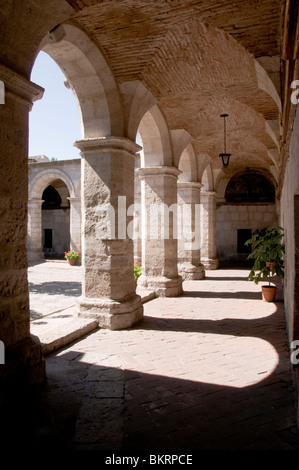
(126,214)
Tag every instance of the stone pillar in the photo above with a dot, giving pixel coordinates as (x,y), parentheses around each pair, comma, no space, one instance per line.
(108,289)
(189,237)
(75,223)
(208,246)
(159,231)
(34,237)
(24,365)
(137,230)
(137,214)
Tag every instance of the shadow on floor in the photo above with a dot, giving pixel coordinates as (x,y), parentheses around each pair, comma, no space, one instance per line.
(65,288)
(88,406)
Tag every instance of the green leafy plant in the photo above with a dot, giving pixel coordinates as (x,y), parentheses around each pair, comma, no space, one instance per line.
(72,254)
(267,251)
(137,271)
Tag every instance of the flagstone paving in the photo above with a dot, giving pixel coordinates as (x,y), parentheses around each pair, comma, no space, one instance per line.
(209,370)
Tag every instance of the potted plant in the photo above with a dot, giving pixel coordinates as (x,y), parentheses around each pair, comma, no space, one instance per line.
(137,272)
(267,251)
(72,257)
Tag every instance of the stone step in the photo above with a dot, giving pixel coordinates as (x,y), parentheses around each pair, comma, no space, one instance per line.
(60,329)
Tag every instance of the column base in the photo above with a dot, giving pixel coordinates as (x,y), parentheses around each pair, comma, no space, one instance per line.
(23,369)
(111,314)
(210,263)
(190,272)
(162,286)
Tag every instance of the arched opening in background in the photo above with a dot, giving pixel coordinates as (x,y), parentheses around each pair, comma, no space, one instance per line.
(55,220)
(250,187)
(248,205)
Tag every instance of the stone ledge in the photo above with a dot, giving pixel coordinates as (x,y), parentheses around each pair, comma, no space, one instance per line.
(60,329)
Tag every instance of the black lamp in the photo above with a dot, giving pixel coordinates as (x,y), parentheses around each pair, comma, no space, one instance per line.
(224,156)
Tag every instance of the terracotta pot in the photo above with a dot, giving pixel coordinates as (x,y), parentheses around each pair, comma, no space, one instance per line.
(268,293)
(72,262)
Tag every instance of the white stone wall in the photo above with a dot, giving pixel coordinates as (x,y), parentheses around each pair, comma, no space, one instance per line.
(289,190)
(230,218)
(59,221)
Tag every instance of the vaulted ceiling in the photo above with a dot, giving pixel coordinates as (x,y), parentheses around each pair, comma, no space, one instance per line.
(200,59)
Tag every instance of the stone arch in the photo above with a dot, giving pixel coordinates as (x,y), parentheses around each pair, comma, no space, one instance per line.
(137,101)
(251,186)
(188,165)
(42,179)
(55,223)
(37,185)
(153,130)
(91,80)
(202,162)
(207,179)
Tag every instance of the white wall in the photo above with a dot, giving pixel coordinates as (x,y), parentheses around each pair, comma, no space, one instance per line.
(230,218)
(290,188)
(59,221)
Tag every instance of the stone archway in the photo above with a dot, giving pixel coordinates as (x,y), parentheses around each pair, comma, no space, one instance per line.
(103,148)
(37,186)
(55,220)
(90,79)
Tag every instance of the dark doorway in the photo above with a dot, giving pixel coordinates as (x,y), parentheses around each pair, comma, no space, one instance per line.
(48,238)
(243,235)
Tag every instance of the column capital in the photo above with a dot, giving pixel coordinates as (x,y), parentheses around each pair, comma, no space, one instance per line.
(208,193)
(19,88)
(150,172)
(106,144)
(189,185)
(36,201)
(74,199)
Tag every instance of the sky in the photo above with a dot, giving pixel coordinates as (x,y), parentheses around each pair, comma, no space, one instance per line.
(54,120)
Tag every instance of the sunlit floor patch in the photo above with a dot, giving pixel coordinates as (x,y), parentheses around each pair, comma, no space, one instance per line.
(223,360)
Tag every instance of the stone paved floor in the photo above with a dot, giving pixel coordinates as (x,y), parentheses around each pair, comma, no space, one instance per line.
(53,286)
(209,370)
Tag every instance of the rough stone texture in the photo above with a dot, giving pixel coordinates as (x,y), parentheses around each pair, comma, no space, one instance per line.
(208,230)
(189,238)
(159,242)
(23,354)
(108,290)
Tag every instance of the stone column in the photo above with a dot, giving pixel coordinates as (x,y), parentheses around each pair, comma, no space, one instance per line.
(189,237)
(34,237)
(137,230)
(24,365)
(75,223)
(108,289)
(159,231)
(208,246)
(137,214)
